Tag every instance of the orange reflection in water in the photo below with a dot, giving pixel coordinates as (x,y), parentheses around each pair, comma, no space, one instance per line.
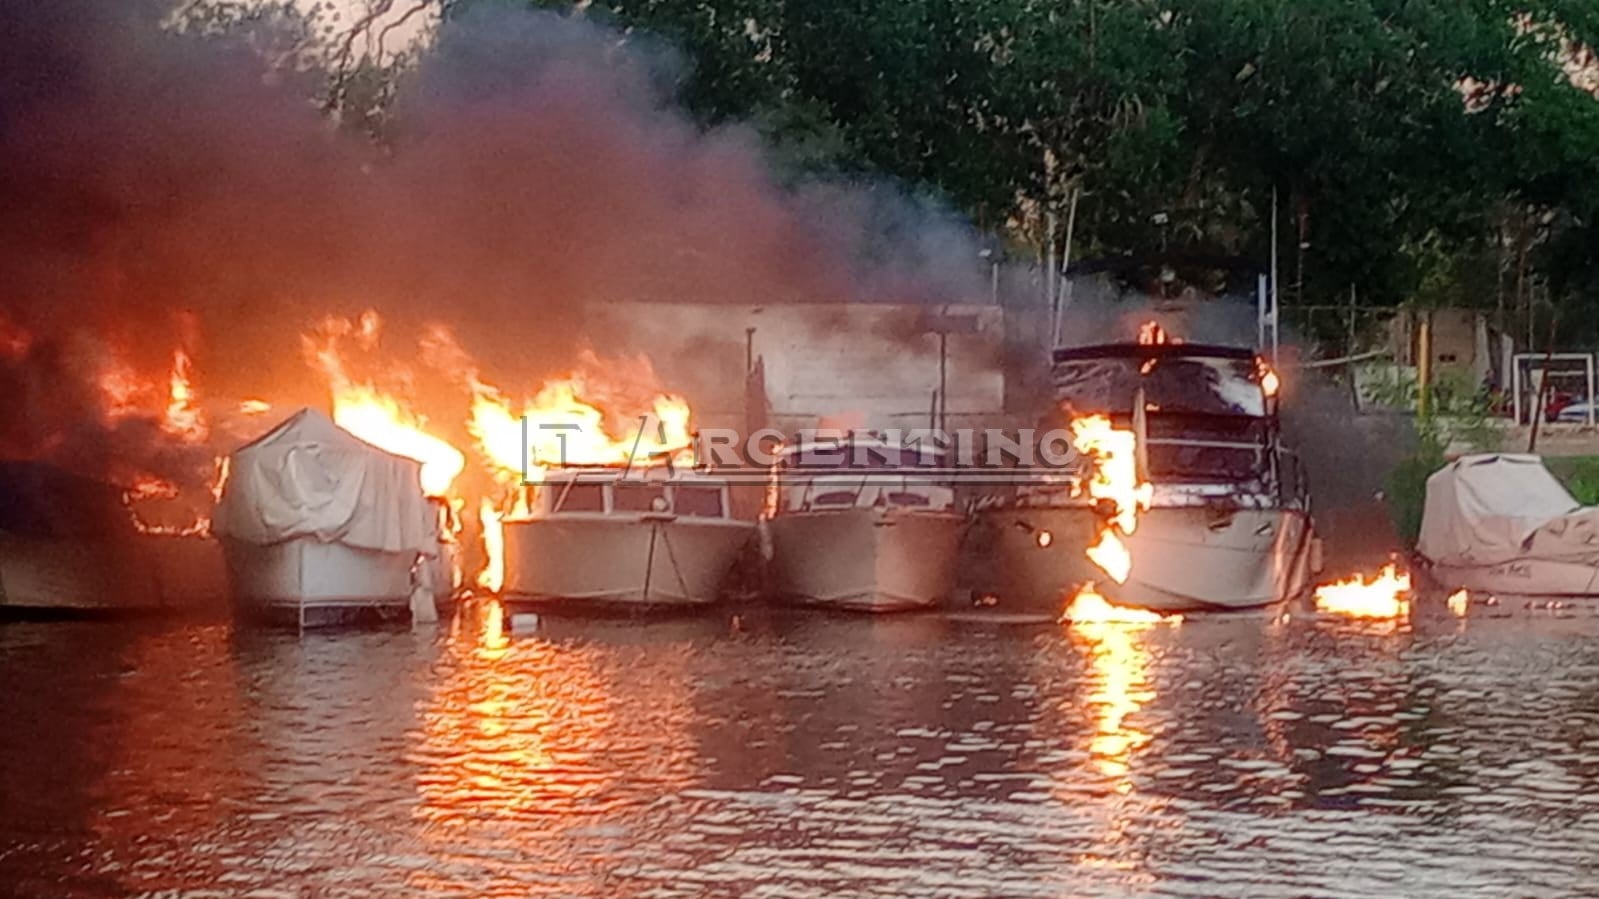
(527,736)
(1118,662)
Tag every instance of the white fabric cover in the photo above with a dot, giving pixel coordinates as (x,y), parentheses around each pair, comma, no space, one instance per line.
(1490,509)
(308,477)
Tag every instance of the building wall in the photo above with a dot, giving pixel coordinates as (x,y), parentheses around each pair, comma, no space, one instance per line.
(839,365)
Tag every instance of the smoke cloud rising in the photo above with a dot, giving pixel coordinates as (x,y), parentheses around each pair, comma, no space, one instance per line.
(163,188)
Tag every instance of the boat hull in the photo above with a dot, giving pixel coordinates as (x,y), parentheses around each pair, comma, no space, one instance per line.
(1520,577)
(620,562)
(865,559)
(72,575)
(306,583)
(1184,558)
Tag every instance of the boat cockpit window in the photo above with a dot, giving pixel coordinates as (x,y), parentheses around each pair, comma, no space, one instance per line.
(1211,386)
(901,498)
(697,502)
(580,497)
(627,497)
(835,498)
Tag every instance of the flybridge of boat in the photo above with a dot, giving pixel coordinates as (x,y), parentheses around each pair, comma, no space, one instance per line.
(1171,378)
(1205,416)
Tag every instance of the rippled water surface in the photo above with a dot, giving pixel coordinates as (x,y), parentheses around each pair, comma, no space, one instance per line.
(804,755)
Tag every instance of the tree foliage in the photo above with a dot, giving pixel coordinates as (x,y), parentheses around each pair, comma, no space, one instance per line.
(1430,150)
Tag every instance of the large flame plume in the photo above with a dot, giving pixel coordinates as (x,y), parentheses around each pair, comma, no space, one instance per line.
(563,423)
(381,419)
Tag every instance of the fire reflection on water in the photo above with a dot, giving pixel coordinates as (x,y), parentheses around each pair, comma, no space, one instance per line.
(523,730)
(1118,663)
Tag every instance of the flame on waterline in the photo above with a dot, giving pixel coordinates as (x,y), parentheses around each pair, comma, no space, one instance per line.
(1387,595)
(1089,607)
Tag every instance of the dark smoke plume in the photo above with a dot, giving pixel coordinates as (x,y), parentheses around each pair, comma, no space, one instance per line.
(532,164)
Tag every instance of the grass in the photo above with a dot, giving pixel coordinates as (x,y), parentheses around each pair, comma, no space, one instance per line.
(1580,474)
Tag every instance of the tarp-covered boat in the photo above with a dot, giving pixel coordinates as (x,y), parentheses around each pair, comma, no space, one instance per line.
(320,527)
(1501,523)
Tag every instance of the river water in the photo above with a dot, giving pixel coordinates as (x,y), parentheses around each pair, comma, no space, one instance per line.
(766,754)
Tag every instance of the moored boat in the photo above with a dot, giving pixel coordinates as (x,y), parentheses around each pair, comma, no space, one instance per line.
(67,545)
(863,524)
(1501,523)
(319,527)
(1226,522)
(643,537)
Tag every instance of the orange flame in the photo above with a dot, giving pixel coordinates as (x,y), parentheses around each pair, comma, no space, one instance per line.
(1384,596)
(561,426)
(1114,478)
(1088,606)
(492,577)
(1151,333)
(1459,603)
(373,415)
(183,417)
(1269,382)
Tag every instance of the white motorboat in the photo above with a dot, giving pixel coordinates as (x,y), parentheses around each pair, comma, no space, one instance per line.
(645,537)
(1228,523)
(859,523)
(1501,523)
(319,527)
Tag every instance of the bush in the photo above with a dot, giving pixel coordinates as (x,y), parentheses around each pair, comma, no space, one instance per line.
(1407,484)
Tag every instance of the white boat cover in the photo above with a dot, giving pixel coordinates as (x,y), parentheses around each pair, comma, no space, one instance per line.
(308,477)
(1490,509)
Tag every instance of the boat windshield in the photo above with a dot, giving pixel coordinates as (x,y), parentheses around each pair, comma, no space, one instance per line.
(1210,386)
(579,497)
(626,497)
(697,502)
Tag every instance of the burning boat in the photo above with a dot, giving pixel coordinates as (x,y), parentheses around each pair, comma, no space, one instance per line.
(863,524)
(1181,495)
(622,537)
(319,527)
(67,544)
(1501,523)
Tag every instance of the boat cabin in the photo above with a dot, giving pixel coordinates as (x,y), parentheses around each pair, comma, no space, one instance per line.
(860,472)
(1205,413)
(614,491)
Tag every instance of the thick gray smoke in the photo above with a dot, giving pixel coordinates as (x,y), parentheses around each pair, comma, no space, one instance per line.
(534,164)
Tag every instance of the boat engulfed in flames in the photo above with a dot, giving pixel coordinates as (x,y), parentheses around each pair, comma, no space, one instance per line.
(653,537)
(1181,496)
